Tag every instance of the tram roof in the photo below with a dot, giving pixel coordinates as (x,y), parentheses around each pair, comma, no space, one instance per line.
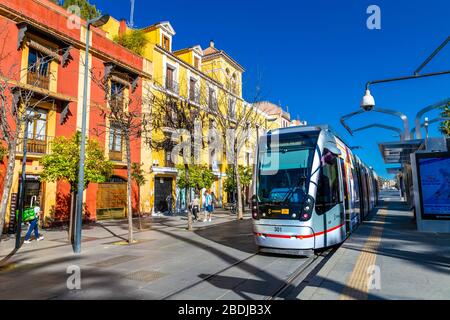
(304,129)
(318,127)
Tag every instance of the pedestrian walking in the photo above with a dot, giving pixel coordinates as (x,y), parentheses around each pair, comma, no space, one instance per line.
(34,226)
(169,203)
(203,206)
(195,206)
(208,206)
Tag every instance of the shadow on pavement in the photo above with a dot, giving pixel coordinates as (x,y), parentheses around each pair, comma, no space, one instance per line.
(233,234)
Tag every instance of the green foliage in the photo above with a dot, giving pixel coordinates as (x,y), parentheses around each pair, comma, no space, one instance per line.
(134,40)
(245,175)
(229,184)
(63,162)
(88,11)
(137,174)
(3,151)
(200,176)
(445,125)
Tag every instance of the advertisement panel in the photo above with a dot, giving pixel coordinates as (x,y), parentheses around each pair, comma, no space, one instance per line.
(434,178)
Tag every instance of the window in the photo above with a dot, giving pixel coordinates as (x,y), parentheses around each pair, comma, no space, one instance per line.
(117,94)
(115,143)
(212,103)
(287,178)
(233,83)
(168,159)
(166,42)
(192,89)
(38,69)
(328,187)
(231,108)
(37,131)
(170,76)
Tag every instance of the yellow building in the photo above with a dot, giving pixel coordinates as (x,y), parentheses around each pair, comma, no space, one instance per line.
(208,78)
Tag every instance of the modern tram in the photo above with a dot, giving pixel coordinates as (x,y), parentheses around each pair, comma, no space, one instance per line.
(310,190)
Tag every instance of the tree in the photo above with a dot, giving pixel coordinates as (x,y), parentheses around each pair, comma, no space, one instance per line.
(63,162)
(236,125)
(133,40)
(123,116)
(176,119)
(87,11)
(199,177)
(138,176)
(445,125)
(245,176)
(3,152)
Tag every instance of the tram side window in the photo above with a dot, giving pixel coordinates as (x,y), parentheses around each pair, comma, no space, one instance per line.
(328,187)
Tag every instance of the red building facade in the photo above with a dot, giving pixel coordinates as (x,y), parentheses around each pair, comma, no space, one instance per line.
(38,32)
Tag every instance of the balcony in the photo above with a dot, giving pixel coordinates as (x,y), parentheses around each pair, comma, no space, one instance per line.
(194,95)
(117,102)
(116,155)
(172,86)
(37,146)
(212,104)
(38,80)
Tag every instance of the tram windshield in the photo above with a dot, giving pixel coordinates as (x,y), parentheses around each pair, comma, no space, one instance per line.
(285,168)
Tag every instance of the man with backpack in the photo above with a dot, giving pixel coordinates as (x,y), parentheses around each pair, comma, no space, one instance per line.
(34,222)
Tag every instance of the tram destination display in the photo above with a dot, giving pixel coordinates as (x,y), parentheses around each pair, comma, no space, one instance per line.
(434,177)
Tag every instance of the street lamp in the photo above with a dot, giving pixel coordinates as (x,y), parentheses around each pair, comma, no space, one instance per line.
(368,101)
(97,22)
(426,127)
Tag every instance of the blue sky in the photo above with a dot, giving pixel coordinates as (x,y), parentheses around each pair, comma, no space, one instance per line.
(316,56)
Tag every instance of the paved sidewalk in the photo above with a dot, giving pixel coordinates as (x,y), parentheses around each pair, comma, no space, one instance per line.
(165,258)
(389,253)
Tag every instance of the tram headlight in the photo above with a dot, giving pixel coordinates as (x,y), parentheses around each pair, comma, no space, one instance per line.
(307,209)
(255,208)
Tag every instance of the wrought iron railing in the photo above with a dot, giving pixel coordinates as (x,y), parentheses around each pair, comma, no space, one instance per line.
(38,80)
(38,145)
(172,86)
(115,155)
(194,95)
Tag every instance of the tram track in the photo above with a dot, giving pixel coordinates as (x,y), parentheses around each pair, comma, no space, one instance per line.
(211,276)
(300,274)
(293,280)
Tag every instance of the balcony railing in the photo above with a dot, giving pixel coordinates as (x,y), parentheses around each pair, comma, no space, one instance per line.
(194,95)
(172,86)
(37,80)
(36,146)
(212,104)
(117,102)
(115,155)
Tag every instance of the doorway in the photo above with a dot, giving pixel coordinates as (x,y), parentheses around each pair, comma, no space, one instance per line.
(163,188)
(32,192)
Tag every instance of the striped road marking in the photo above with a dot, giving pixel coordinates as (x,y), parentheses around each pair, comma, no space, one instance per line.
(357,285)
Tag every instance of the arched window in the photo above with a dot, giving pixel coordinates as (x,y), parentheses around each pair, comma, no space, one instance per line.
(116,179)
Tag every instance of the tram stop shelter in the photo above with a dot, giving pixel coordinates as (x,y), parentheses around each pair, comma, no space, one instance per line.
(399,153)
(424,175)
